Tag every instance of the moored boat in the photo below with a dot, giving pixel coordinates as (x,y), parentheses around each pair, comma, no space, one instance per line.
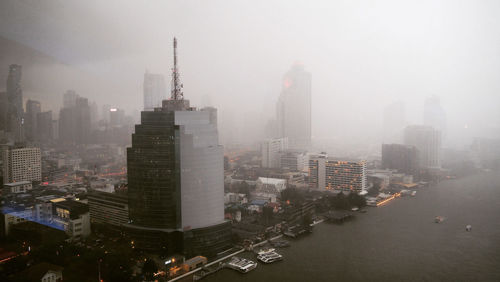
(241,264)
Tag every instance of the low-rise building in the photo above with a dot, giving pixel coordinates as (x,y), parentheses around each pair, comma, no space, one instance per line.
(17,187)
(270,185)
(108,208)
(73,217)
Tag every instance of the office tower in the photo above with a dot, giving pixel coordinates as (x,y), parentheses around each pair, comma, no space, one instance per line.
(270,151)
(294,108)
(404,158)
(33,108)
(155,91)
(212,114)
(394,122)
(332,174)
(45,127)
(175,179)
(74,121)
(116,117)
(22,164)
(94,115)
(434,115)
(69,99)
(15,112)
(427,140)
(294,160)
(105,110)
(4,110)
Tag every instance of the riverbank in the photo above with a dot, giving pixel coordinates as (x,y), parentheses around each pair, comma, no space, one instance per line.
(399,241)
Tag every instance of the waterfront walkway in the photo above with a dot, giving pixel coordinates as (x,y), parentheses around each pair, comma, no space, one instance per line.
(221,259)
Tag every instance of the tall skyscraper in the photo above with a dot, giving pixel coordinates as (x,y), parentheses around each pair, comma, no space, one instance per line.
(4,110)
(45,127)
(69,99)
(22,164)
(434,115)
(294,108)
(155,91)
(333,174)
(33,108)
(15,113)
(404,158)
(427,140)
(175,179)
(74,120)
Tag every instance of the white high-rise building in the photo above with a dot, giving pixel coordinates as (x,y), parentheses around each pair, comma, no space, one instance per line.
(333,174)
(22,164)
(155,91)
(427,140)
(270,151)
(294,108)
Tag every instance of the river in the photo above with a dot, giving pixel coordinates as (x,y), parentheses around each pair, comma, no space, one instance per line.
(400,241)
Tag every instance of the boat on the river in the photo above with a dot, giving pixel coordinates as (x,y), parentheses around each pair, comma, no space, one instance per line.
(270,257)
(438,219)
(242,265)
(468,227)
(264,251)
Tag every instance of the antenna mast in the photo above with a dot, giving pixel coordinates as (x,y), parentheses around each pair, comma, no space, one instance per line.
(176,92)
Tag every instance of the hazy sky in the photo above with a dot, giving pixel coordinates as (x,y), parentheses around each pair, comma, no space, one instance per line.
(363,55)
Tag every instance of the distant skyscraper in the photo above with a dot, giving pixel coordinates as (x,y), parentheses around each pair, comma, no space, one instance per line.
(74,121)
(155,91)
(294,108)
(332,174)
(270,151)
(22,164)
(33,108)
(175,180)
(427,140)
(45,126)
(116,117)
(434,115)
(69,99)
(15,103)
(4,110)
(404,158)
(394,122)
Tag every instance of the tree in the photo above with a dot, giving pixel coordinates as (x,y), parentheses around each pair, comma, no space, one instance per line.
(267,213)
(340,202)
(356,200)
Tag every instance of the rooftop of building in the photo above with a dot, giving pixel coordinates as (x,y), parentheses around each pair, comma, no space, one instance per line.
(13,184)
(271,181)
(74,207)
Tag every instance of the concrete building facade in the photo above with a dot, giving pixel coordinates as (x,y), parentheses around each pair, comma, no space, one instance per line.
(22,164)
(270,151)
(427,140)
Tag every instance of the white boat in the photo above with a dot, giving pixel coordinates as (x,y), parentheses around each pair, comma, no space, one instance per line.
(270,257)
(241,264)
(413,193)
(468,227)
(265,251)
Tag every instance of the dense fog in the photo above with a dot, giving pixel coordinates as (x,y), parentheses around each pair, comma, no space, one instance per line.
(363,57)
